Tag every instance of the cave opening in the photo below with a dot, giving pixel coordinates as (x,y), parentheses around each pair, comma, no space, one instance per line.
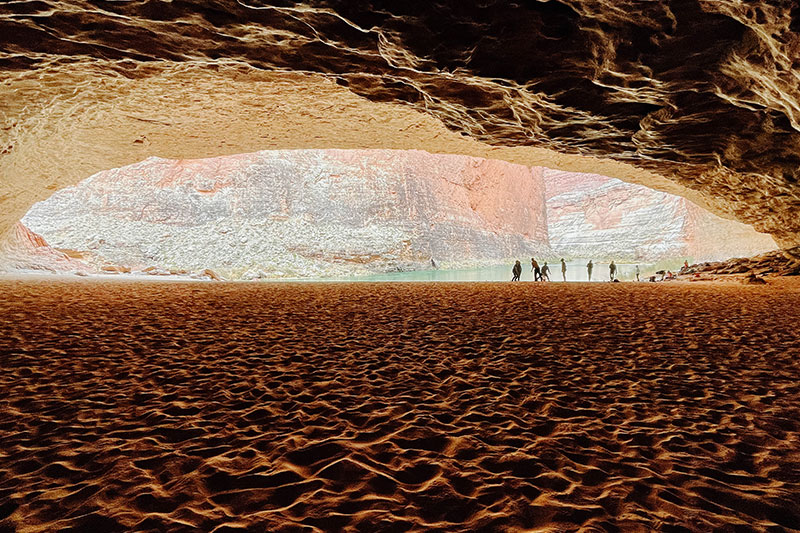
(131,400)
(374,215)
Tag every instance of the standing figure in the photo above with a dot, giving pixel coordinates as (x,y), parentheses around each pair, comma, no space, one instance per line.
(516,270)
(563,269)
(589,267)
(545,272)
(537,273)
(612,270)
(637,272)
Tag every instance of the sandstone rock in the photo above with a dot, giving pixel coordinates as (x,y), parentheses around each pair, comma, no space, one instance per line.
(211,274)
(322,213)
(27,250)
(604,218)
(302,213)
(115,269)
(775,263)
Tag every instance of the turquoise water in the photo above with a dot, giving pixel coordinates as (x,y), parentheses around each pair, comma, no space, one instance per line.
(576,271)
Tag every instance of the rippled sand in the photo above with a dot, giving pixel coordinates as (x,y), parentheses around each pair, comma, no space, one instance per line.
(398,407)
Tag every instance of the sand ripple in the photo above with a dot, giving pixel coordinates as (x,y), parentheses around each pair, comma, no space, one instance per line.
(398,407)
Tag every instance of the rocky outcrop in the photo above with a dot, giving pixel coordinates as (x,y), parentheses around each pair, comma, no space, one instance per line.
(27,250)
(748,269)
(604,218)
(704,93)
(300,213)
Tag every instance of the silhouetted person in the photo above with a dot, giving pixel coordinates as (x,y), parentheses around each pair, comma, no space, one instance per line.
(637,272)
(537,273)
(589,267)
(612,270)
(563,269)
(517,271)
(545,272)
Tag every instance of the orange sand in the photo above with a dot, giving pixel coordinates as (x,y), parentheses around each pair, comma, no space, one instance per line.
(399,407)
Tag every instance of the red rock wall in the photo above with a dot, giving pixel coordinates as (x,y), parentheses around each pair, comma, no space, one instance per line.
(595,216)
(301,213)
(28,250)
(340,212)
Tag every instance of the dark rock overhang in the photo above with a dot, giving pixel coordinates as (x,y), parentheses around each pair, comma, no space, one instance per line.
(705,93)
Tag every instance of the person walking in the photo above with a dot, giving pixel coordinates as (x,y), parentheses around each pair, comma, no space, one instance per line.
(545,272)
(516,270)
(537,273)
(637,272)
(563,269)
(589,267)
(612,270)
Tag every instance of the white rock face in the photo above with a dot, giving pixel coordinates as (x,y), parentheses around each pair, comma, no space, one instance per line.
(322,213)
(303,213)
(598,217)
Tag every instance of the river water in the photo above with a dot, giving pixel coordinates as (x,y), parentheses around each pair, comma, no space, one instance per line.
(576,271)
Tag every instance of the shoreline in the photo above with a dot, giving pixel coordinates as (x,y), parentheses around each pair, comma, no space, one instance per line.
(789,282)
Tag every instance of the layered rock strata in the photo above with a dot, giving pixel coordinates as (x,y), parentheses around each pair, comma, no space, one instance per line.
(304,213)
(604,218)
(28,250)
(704,93)
(311,213)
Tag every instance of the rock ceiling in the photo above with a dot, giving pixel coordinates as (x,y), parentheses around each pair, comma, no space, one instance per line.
(700,98)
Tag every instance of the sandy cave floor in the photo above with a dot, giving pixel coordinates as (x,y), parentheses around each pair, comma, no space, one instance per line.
(399,407)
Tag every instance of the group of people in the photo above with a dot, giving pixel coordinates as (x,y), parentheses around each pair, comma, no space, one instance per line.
(539,273)
(543,273)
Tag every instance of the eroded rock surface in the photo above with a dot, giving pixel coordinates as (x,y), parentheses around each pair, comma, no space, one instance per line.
(705,93)
(30,251)
(594,216)
(299,213)
(747,269)
(312,213)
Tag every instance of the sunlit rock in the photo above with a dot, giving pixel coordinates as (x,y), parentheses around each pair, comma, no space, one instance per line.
(595,216)
(27,250)
(312,213)
(300,213)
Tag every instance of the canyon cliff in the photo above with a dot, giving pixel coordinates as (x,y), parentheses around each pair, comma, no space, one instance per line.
(593,216)
(322,213)
(309,213)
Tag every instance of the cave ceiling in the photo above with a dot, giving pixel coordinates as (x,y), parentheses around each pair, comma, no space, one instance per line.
(701,98)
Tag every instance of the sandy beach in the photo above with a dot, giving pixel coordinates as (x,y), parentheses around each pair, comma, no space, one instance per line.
(399,407)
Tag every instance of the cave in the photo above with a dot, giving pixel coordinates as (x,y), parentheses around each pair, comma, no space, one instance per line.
(170,404)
